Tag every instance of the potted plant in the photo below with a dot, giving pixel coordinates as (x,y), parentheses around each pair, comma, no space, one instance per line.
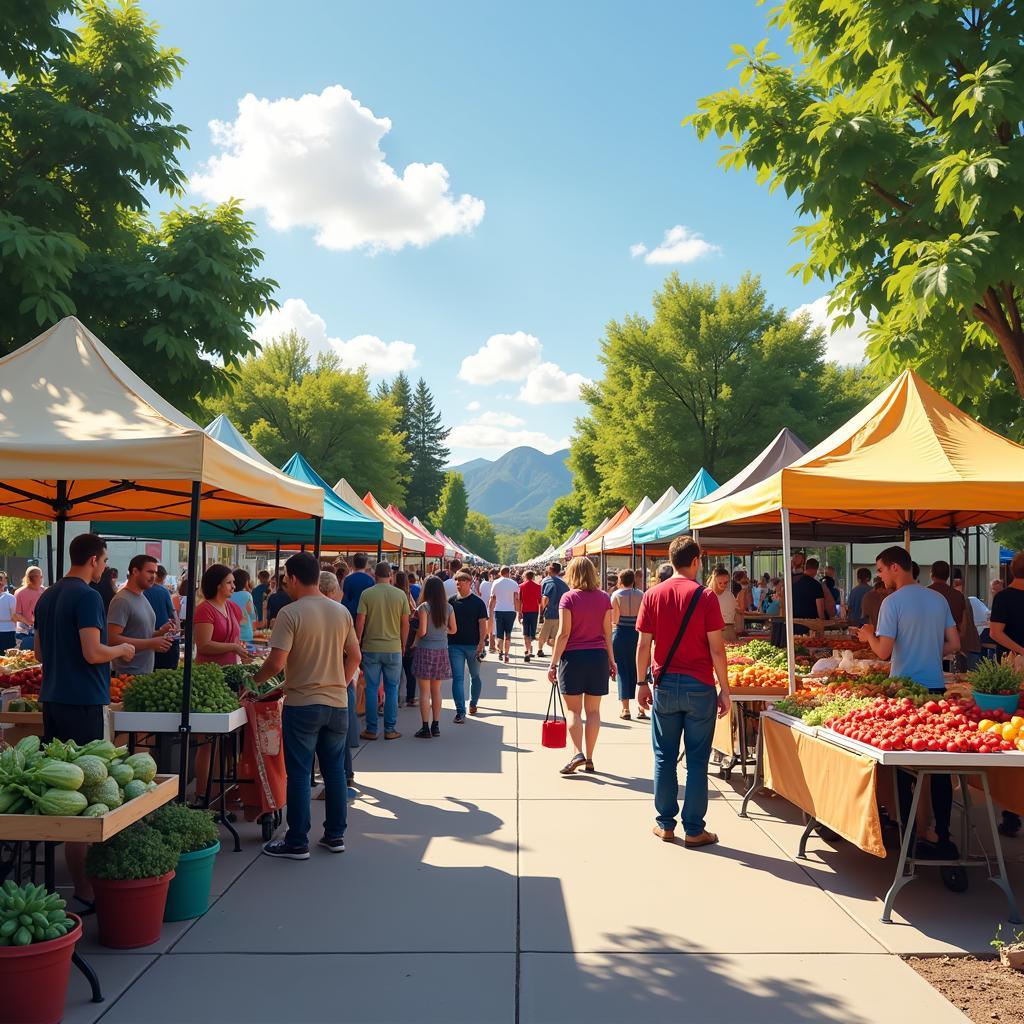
(35,957)
(195,833)
(1011,954)
(130,874)
(996,684)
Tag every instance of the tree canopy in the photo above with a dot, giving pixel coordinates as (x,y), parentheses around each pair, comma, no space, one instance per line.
(899,131)
(532,543)
(706,382)
(452,508)
(84,136)
(564,517)
(284,401)
(479,537)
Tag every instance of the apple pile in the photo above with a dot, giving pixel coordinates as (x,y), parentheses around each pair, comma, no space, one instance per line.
(944,726)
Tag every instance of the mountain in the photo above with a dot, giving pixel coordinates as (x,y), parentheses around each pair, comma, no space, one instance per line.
(517,490)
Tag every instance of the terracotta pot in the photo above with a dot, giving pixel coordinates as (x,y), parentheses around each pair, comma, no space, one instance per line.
(34,979)
(130,913)
(1012,956)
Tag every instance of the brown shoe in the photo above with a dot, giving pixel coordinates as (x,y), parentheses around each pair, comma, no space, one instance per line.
(392,735)
(472,709)
(367,735)
(666,835)
(704,839)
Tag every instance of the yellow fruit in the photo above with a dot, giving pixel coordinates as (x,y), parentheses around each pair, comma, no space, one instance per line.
(985,724)
(1020,742)
(1009,731)
(1017,720)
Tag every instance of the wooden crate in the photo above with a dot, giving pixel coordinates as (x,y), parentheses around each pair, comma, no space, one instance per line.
(64,829)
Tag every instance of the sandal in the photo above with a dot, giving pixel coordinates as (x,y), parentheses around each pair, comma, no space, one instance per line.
(588,765)
(626,716)
(641,716)
(577,762)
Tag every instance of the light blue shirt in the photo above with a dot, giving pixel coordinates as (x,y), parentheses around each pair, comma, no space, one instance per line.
(916,619)
(244,601)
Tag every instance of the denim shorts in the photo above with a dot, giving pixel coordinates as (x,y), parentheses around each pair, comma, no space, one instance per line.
(503,623)
(584,672)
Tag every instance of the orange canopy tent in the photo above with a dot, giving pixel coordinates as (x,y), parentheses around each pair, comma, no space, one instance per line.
(606,527)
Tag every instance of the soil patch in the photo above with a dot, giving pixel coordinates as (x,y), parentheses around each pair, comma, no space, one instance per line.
(983,990)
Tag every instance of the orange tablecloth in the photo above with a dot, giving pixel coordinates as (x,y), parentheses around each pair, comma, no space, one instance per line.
(835,786)
(1007,788)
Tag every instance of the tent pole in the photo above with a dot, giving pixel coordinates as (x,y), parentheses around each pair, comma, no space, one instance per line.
(61,506)
(787,557)
(643,566)
(978,591)
(380,551)
(318,535)
(49,558)
(203,567)
(185,729)
(277,558)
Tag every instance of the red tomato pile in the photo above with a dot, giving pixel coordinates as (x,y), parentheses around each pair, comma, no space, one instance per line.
(29,679)
(947,726)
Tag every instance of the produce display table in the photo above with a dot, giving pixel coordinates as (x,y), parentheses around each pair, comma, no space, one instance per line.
(220,727)
(733,731)
(834,781)
(53,829)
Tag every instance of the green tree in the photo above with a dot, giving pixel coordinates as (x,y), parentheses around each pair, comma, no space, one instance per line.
(427,452)
(508,547)
(532,543)
(479,537)
(565,517)
(85,137)
(285,402)
(16,533)
(898,130)
(706,382)
(452,508)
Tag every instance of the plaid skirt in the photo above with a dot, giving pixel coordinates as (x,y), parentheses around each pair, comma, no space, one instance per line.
(431,663)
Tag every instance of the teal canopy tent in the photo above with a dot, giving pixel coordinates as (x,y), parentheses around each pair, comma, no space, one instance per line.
(675,520)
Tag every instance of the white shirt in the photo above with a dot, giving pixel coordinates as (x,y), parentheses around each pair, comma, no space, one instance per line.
(7,603)
(450,587)
(503,590)
(485,591)
(982,615)
(727,602)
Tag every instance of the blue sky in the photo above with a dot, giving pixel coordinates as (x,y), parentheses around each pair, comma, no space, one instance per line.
(558,127)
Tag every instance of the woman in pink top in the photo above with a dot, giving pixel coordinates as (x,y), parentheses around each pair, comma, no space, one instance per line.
(26,597)
(582,661)
(218,620)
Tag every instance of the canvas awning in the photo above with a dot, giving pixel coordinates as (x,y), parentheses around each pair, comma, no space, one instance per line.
(410,539)
(392,539)
(675,520)
(620,540)
(595,535)
(910,460)
(595,545)
(450,550)
(83,434)
(434,548)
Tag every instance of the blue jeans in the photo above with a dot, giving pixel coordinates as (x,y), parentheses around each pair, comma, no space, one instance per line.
(461,655)
(684,708)
(353,731)
(320,730)
(386,664)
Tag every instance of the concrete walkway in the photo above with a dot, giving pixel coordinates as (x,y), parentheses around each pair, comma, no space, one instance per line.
(481,886)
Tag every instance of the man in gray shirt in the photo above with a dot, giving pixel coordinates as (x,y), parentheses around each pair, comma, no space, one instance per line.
(131,619)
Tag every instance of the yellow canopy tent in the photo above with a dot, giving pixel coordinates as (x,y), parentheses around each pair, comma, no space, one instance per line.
(909,463)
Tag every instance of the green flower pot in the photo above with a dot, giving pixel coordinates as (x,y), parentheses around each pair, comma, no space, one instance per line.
(189,893)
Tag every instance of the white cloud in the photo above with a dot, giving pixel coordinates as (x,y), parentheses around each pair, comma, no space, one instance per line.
(844,346)
(316,162)
(501,357)
(493,418)
(473,407)
(381,358)
(550,383)
(680,245)
(486,433)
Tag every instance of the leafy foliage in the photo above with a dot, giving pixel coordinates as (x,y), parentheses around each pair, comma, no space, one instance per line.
(285,402)
(704,383)
(453,507)
(479,537)
(427,453)
(565,517)
(84,134)
(532,543)
(138,852)
(188,827)
(14,533)
(899,130)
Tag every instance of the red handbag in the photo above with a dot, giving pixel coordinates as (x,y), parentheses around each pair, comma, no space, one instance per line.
(553,731)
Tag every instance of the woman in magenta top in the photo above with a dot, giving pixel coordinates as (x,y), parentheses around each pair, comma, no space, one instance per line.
(582,661)
(218,620)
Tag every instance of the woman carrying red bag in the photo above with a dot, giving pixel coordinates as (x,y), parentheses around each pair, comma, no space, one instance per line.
(582,661)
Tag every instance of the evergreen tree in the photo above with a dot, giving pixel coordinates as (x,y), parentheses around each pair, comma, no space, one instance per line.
(427,451)
(453,508)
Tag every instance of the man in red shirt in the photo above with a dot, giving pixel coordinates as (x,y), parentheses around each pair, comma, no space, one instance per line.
(529,603)
(684,622)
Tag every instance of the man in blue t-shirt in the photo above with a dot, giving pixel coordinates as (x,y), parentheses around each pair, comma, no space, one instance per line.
(71,643)
(551,591)
(355,583)
(163,608)
(916,631)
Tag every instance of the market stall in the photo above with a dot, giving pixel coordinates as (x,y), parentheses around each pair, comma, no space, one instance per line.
(393,540)
(410,540)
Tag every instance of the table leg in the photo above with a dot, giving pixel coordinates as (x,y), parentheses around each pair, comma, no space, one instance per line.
(758,768)
(801,851)
(90,976)
(224,820)
(902,877)
(744,748)
(1002,880)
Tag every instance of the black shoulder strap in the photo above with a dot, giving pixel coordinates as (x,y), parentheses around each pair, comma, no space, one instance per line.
(682,631)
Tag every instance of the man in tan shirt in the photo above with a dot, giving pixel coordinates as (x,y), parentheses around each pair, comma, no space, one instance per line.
(314,642)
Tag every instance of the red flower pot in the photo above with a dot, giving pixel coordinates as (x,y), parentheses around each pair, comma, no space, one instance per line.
(34,979)
(130,913)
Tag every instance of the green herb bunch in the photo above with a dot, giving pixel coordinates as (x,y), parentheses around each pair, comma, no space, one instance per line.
(995,676)
(137,852)
(190,828)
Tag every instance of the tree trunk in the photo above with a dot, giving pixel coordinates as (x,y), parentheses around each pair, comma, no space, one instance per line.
(1006,330)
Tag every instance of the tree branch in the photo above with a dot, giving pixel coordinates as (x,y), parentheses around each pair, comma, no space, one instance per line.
(923,104)
(894,201)
(1011,304)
